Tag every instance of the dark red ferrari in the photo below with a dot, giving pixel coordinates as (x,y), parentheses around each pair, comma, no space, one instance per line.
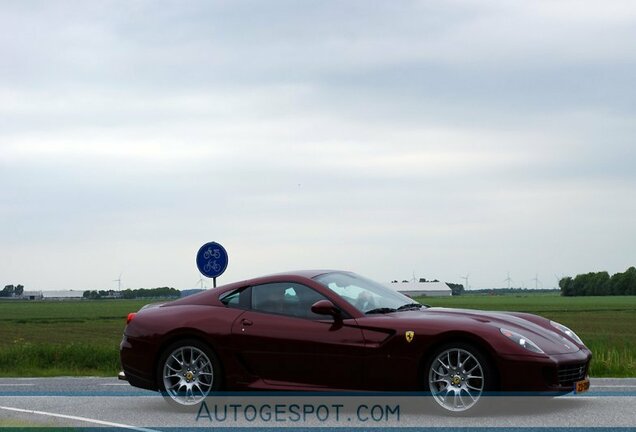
(335,330)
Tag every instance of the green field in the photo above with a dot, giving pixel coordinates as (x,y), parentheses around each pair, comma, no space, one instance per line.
(51,338)
(82,337)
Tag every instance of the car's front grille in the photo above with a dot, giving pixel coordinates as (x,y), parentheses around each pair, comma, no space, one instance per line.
(570,374)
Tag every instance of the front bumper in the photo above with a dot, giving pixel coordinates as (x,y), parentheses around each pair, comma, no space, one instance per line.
(552,374)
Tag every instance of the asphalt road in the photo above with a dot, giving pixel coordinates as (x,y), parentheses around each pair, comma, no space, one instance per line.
(106,402)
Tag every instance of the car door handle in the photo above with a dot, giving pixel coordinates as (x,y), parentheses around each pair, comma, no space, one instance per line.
(246,322)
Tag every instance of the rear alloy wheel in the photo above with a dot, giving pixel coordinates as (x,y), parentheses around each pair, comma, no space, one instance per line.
(189,372)
(458,375)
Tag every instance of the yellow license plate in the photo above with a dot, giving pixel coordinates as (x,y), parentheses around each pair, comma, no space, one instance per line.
(582,386)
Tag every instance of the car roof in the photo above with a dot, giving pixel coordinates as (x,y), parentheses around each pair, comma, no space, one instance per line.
(304,273)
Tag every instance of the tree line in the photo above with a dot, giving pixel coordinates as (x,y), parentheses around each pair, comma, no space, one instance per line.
(162,292)
(12,291)
(457,289)
(599,284)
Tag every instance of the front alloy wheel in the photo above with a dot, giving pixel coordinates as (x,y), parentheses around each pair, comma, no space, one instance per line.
(457,378)
(189,372)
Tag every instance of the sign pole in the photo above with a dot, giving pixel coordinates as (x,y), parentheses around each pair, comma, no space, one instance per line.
(214,281)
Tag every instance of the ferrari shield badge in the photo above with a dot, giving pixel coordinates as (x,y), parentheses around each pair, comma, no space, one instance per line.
(409,335)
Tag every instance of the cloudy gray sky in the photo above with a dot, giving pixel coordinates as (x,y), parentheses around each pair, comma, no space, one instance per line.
(441,138)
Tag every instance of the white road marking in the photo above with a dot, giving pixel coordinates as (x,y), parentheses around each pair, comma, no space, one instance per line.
(579,397)
(16,385)
(122,384)
(614,386)
(84,419)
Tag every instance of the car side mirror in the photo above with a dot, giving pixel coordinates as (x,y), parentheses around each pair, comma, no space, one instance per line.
(325,307)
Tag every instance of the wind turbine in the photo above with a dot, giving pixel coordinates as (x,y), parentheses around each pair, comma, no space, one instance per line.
(536,281)
(465,279)
(200,281)
(118,282)
(508,280)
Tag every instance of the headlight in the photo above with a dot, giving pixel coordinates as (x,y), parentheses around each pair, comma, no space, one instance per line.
(563,329)
(521,340)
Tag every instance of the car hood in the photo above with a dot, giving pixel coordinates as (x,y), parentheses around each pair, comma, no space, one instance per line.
(533,327)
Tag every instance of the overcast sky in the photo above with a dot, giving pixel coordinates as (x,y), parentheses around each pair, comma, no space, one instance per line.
(390,138)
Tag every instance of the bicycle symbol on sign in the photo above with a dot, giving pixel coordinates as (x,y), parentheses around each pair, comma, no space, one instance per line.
(212,266)
(212,253)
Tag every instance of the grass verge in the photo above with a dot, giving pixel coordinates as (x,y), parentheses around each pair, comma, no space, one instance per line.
(44,360)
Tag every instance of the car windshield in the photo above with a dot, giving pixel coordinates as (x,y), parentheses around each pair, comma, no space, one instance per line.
(364,294)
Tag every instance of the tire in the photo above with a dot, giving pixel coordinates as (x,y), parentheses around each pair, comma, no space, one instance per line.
(187,372)
(457,375)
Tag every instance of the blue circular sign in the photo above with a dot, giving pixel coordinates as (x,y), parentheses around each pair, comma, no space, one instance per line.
(212,259)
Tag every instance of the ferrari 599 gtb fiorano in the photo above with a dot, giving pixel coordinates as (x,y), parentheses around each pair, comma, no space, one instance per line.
(338,331)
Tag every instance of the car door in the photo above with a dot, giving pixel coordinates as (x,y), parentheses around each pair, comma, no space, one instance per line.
(285,344)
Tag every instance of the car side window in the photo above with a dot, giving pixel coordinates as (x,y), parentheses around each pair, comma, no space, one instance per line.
(286,298)
(237,299)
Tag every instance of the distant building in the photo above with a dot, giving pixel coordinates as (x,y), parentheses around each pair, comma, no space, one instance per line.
(62,295)
(418,289)
(32,295)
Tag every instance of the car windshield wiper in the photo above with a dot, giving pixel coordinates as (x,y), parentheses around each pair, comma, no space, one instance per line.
(410,306)
(382,310)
